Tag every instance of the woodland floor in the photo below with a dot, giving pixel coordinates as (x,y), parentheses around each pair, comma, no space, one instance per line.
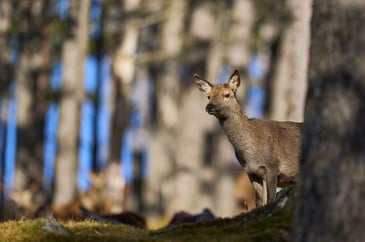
(270,223)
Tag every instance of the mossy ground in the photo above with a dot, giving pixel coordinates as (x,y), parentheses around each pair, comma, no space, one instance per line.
(31,230)
(271,223)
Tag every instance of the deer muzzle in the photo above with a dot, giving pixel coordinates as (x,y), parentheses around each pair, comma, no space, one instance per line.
(210,108)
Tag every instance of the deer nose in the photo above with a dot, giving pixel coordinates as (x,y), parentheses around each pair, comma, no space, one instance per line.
(209,108)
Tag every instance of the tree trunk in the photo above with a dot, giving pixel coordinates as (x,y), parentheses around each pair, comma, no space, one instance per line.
(167,102)
(290,80)
(124,72)
(5,57)
(26,164)
(73,58)
(332,188)
(30,93)
(239,35)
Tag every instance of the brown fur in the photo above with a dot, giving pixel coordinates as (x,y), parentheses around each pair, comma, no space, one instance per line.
(268,150)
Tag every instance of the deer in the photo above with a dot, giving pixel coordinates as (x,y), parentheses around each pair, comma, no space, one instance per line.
(268,150)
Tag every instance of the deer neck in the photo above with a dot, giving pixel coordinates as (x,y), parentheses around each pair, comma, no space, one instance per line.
(236,127)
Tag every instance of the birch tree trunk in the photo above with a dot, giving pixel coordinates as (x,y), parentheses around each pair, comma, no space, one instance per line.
(290,78)
(332,189)
(73,58)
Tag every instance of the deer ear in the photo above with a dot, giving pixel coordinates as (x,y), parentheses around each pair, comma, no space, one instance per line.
(234,81)
(203,85)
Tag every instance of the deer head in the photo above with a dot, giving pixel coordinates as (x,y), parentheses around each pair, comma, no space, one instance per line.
(222,98)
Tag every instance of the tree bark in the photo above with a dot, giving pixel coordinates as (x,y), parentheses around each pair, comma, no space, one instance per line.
(73,58)
(332,187)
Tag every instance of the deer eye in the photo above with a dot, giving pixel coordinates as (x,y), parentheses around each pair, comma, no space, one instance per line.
(208,97)
(226,95)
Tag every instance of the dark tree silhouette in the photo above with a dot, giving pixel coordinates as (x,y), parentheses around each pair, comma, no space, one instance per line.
(332,189)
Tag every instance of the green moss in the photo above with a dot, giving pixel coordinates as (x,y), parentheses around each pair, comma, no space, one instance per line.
(31,230)
(271,223)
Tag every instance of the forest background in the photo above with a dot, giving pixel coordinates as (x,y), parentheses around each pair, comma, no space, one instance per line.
(98,102)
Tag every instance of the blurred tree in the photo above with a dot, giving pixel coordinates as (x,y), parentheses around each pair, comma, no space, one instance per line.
(124,72)
(239,33)
(215,30)
(74,52)
(6,70)
(172,35)
(5,56)
(290,77)
(30,30)
(332,189)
